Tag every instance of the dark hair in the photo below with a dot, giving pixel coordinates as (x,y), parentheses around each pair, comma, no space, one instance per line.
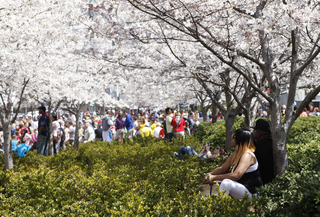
(119,116)
(167,110)
(54,117)
(243,136)
(223,150)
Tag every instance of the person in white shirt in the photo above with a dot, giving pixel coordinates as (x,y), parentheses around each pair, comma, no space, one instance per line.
(157,130)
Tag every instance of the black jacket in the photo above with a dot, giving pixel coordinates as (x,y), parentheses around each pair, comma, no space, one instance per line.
(264,154)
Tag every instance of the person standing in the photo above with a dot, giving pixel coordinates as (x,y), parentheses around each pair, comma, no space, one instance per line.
(62,134)
(43,126)
(191,121)
(178,125)
(169,127)
(129,124)
(120,124)
(106,124)
(264,151)
(89,132)
(56,134)
(72,133)
(98,132)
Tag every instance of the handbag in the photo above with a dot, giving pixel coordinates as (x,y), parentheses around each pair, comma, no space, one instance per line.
(55,139)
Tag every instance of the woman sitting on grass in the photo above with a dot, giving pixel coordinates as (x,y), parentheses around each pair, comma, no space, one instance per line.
(240,172)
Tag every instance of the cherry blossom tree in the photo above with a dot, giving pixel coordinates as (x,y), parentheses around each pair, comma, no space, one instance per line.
(276,42)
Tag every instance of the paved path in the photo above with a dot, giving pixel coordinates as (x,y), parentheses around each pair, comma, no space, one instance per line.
(206,189)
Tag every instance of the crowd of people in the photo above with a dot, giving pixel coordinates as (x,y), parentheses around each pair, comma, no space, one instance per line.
(245,170)
(28,133)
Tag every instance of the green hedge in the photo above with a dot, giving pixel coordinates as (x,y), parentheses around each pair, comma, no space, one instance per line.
(304,130)
(215,134)
(137,178)
(297,191)
(143,178)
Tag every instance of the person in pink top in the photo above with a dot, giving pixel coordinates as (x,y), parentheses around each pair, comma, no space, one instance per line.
(178,125)
(304,113)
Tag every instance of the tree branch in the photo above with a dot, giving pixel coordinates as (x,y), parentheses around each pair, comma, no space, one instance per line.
(25,82)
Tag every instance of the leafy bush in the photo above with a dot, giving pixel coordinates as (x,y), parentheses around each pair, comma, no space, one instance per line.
(215,134)
(297,191)
(304,130)
(142,178)
(137,178)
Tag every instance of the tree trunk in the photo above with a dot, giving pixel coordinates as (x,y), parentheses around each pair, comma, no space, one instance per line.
(103,110)
(250,115)
(5,116)
(204,111)
(76,135)
(279,136)
(8,160)
(50,141)
(229,118)
(253,112)
(214,113)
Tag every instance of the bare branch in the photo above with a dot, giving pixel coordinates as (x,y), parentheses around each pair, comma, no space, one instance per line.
(25,82)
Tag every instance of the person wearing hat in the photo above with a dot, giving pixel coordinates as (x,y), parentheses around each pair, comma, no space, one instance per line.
(146,131)
(264,151)
(43,127)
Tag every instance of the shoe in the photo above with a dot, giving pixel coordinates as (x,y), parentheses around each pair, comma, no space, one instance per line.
(175,154)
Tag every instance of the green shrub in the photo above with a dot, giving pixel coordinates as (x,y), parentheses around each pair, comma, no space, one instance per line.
(215,133)
(297,191)
(304,130)
(142,178)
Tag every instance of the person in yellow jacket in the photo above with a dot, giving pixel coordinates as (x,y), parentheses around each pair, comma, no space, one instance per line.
(153,125)
(146,131)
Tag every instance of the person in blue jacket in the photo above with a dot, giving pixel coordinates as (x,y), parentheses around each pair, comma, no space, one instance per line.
(128,124)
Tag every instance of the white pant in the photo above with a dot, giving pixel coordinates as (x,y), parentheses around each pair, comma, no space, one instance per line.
(234,189)
(106,136)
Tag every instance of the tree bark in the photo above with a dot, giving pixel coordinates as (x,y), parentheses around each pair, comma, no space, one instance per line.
(8,160)
(103,109)
(279,136)
(76,135)
(214,113)
(229,118)
(204,111)
(50,141)
(5,116)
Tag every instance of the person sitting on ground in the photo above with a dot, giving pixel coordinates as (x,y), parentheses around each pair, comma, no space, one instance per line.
(205,153)
(264,151)
(240,173)
(146,131)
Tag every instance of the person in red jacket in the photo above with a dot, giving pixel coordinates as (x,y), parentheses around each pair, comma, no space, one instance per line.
(178,125)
